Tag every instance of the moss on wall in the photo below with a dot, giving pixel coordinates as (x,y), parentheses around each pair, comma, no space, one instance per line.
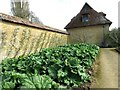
(16,39)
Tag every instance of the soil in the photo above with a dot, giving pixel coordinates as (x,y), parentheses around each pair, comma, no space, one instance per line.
(106,74)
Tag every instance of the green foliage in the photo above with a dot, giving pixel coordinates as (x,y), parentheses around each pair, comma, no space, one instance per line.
(113,37)
(63,66)
(13,80)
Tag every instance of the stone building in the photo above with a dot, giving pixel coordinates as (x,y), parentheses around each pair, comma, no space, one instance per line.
(88,26)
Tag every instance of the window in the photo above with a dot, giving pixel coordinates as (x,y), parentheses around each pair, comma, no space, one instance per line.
(85,18)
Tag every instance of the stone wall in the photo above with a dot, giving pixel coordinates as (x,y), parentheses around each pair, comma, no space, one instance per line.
(22,39)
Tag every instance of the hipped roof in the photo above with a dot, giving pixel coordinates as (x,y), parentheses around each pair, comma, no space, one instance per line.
(95,18)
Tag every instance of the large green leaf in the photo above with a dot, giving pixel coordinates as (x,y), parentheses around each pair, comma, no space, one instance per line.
(65,65)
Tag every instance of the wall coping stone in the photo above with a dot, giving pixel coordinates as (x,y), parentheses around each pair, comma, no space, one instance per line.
(17,20)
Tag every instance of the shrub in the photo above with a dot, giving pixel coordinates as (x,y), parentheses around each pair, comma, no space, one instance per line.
(113,37)
(63,66)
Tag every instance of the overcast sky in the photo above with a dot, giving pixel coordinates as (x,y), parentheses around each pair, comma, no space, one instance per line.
(58,13)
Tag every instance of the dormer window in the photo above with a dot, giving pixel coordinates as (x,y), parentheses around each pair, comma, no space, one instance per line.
(85,18)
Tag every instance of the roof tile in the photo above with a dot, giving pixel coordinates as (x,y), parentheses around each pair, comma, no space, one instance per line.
(94,18)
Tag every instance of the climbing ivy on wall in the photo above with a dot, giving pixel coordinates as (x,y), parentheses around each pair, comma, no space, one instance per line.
(43,42)
(21,42)
(12,46)
(3,43)
(32,46)
(27,40)
(3,38)
(24,42)
(37,43)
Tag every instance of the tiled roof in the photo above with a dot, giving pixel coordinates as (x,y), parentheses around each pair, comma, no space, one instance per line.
(95,18)
(21,21)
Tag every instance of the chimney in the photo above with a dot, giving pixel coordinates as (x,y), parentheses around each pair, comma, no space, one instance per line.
(103,14)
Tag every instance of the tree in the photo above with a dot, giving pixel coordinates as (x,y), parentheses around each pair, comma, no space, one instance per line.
(113,37)
(34,18)
(20,8)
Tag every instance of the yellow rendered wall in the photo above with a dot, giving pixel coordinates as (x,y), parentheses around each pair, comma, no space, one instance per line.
(89,34)
(16,39)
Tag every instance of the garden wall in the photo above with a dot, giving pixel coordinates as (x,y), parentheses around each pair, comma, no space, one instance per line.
(21,37)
